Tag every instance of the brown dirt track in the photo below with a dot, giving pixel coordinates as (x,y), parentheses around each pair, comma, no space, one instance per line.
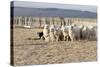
(30,51)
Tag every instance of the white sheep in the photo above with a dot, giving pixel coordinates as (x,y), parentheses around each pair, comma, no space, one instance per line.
(58,33)
(76,32)
(46,33)
(92,33)
(65,31)
(71,33)
(51,33)
(81,28)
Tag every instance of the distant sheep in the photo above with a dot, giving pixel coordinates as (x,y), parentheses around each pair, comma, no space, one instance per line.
(71,33)
(76,32)
(68,32)
(46,33)
(58,34)
(51,33)
(92,32)
(65,31)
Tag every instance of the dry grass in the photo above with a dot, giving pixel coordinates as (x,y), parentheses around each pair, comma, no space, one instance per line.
(30,51)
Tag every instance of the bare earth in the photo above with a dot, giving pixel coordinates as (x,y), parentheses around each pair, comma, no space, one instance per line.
(29,51)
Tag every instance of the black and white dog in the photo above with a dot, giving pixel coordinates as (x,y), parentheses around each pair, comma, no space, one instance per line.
(40,34)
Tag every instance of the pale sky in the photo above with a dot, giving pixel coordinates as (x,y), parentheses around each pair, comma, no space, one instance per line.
(54,5)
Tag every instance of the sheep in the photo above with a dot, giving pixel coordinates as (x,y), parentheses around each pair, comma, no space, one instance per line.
(85,32)
(71,33)
(76,32)
(46,33)
(92,33)
(88,32)
(81,27)
(51,33)
(95,32)
(58,34)
(65,32)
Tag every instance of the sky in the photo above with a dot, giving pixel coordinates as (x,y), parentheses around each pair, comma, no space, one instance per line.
(55,5)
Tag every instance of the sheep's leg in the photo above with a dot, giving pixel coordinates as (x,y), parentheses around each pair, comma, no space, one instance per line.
(88,37)
(53,39)
(67,38)
(64,38)
(72,38)
(47,39)
(79,38)
(57,39)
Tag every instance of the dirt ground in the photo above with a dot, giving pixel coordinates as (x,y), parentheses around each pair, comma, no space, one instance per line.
(28,51)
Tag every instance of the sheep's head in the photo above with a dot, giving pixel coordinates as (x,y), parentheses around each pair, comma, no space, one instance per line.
(46,26)
(51,29)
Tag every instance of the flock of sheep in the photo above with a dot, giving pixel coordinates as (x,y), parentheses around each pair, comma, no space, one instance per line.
(68,33)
